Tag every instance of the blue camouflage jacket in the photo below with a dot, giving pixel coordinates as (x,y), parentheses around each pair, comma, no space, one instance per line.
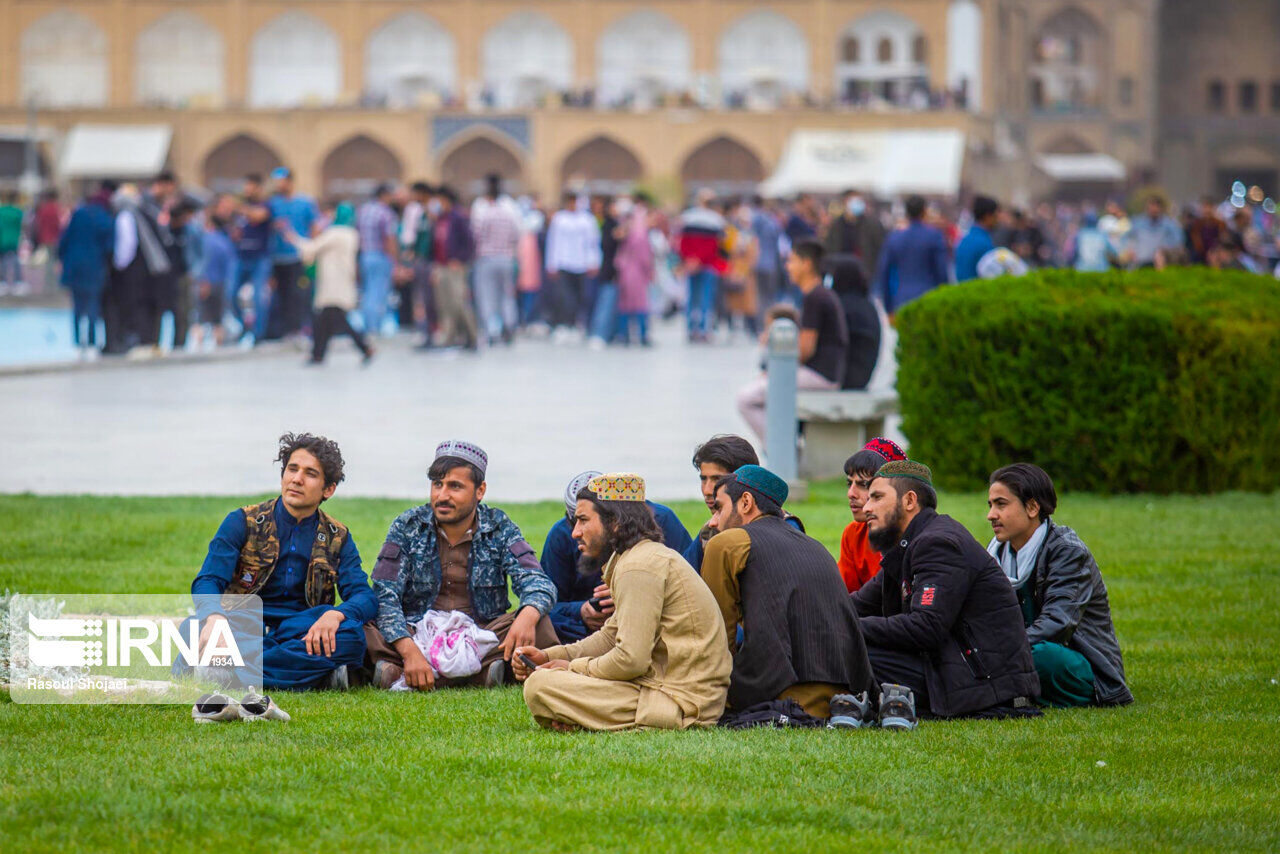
(406,577)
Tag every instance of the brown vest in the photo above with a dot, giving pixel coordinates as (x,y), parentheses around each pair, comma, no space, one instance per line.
(262,550)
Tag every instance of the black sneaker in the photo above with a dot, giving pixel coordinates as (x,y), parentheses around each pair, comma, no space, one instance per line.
(850,711)
(897,707)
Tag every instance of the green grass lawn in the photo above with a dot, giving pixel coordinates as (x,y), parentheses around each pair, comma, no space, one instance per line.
(1193,764)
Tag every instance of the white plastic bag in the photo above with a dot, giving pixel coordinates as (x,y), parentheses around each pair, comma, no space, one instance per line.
(453,645)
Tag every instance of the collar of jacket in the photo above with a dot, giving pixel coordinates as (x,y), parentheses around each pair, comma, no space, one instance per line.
(486,518)
(917,526)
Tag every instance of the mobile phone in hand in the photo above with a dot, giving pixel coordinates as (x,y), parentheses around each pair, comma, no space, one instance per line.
(527,661)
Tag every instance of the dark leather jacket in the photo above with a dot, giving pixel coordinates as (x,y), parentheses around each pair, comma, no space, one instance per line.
(1072,610)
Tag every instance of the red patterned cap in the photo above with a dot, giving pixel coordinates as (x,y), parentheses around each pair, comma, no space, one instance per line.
(887,448)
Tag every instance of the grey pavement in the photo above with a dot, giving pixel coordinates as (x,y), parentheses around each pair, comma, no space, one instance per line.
(543,412)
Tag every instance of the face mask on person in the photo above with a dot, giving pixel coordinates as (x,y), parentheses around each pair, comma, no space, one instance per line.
(434,207)
(856,206)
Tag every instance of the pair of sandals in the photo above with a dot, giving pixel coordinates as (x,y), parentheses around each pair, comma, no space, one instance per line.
(215,708)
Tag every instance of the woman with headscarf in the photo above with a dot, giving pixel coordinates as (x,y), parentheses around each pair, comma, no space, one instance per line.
(333,251)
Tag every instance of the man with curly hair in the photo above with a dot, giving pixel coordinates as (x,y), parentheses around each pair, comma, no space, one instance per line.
(660,660)
(295,557)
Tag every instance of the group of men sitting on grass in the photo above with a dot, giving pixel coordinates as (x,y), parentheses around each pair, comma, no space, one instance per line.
(626,621)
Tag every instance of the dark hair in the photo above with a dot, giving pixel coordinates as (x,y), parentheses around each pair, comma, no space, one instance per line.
(324,450)
(165,177)
(568,196)
(848,276)
(382,190)
(186,207)
(924,492)
(441,466)
(780,310)
(109,187)
(254,178)
(1028,482)
(626,523)
(727,451)
(493,184)
(811,250)
(865,462)
(915,207)
(983,207)
(421,187)
(446,192)
(735,489)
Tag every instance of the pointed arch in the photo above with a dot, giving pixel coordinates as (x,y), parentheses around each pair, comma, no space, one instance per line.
(229,161)
(293,61)
(410,58)
(642,57)
(526,58)
(357,166)
(63,59)
(723,164)
(466,164)
(180,59)
(1068,59)
(601,165)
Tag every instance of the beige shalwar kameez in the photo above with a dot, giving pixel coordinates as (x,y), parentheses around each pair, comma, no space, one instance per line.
(658,662)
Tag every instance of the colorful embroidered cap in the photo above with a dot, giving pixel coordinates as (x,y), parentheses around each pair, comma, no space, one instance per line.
(906,468)
(763,481)
(617,487)
(575,486)
(463,451)
(886,448)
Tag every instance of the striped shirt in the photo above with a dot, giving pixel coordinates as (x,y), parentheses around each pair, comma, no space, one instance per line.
(375,221)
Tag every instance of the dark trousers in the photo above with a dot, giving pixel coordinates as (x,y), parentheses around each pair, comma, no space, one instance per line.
(291,302)
(379,650)
(570,290)
(150,299)
(900,668)
(329,322)
(117,312)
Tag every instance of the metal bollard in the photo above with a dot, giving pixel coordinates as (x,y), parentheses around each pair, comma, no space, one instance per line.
(780,399)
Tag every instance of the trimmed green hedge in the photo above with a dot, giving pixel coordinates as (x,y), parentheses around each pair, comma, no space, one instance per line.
(1112,382)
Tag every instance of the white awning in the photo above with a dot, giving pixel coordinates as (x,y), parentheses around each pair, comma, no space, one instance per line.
(1082,167)
(885,163)
(115,151)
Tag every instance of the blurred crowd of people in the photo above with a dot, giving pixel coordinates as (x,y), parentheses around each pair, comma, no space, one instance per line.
(269,263)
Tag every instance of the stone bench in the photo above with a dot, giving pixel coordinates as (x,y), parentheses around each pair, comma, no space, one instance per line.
(837,423)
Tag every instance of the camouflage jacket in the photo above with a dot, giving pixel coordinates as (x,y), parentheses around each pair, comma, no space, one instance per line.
(406,577)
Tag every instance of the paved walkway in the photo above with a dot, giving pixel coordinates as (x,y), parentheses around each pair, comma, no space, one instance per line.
(542,412)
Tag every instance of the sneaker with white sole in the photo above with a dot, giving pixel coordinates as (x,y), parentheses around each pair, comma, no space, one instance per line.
(850,711)
(897,707)
(215,708)
(259,707)
(340,679)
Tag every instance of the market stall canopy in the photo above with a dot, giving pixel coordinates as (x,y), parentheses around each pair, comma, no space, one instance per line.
(885,163)
(1082,167)
(115,151)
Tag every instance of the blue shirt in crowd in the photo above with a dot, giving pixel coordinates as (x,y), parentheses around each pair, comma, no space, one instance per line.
(284,594)
(560,563)
(768,233)
(969,252)
(218,258)
(301,213)
(918,255)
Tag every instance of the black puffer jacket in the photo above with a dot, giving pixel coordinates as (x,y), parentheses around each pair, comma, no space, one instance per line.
(941,595)
(1072,609)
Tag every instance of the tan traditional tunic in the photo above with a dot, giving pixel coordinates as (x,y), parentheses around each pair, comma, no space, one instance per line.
(659,662)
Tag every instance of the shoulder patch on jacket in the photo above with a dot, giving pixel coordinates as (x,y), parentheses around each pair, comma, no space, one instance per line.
(524,555)
(926,597)
(388,566)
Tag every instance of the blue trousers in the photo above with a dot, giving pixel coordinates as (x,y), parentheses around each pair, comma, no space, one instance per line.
(603,312)
(702,301)
(256,270)
(86,305)
(375,280)
(286,664)
(623,331)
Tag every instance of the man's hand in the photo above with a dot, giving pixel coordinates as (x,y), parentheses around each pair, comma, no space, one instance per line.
(417,671)
(595,618)
(322,637)
(206,631)
(518,667)
(522,631)
(592,618)
(558,664)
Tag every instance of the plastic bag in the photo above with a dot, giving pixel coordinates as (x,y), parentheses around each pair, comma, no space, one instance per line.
(453,645)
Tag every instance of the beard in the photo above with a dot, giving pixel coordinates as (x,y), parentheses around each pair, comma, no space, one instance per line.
(886,537)
(589,565)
